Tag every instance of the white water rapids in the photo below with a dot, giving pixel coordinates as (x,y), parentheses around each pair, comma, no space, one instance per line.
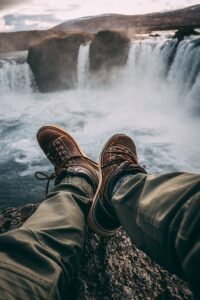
(154,99)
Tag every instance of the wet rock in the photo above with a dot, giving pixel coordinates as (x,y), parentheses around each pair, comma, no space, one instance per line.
(185,32)
(154,35)
(108,49)
(111,268)
(54,62)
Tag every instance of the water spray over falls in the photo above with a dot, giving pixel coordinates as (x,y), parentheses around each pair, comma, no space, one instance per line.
(153,99)
(150,61)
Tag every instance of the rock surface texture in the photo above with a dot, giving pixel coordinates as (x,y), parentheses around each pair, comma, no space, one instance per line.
(108,49)
(185,32)
(54,62)
(111,268)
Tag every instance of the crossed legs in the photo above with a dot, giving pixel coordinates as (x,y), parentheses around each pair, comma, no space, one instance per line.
(161,214)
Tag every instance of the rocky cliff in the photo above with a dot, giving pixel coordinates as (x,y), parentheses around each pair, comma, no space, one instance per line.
(111,268)
(54,62)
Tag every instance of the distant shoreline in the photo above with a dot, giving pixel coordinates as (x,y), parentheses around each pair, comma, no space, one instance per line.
(132,25)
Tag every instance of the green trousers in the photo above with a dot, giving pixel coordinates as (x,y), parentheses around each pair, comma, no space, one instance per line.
(38,260)
(159,212)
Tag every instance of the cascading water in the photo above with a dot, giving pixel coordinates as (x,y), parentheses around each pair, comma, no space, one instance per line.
(168,67)
(83,66)
(153,99)
(15,77)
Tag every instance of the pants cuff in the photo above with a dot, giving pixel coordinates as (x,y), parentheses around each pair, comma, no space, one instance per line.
(79,182)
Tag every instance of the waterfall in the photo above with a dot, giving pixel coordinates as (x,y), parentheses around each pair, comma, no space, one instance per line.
(163,65)
(185,69)
(15,77)
(152,99)
(83,66)
(153,63)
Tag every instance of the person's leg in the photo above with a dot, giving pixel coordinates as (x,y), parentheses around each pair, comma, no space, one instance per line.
(161,214)
(38,260)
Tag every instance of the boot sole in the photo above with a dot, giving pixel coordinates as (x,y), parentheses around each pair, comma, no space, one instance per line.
(91,215)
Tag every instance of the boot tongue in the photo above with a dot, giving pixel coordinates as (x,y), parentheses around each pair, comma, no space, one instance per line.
(124,169)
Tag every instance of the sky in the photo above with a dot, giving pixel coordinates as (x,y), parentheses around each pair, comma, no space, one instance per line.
(16,15)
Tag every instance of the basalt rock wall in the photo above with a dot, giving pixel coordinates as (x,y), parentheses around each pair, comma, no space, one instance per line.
(54,62)
(108,49)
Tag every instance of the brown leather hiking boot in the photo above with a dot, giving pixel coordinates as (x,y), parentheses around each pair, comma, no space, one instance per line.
(118,158)
(65,154)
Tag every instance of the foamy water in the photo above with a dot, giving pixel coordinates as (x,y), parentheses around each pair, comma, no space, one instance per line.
(156,105)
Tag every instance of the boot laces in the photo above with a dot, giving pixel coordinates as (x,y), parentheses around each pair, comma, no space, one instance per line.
(43,176)
(120,155)
(60,156)
(68,163)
